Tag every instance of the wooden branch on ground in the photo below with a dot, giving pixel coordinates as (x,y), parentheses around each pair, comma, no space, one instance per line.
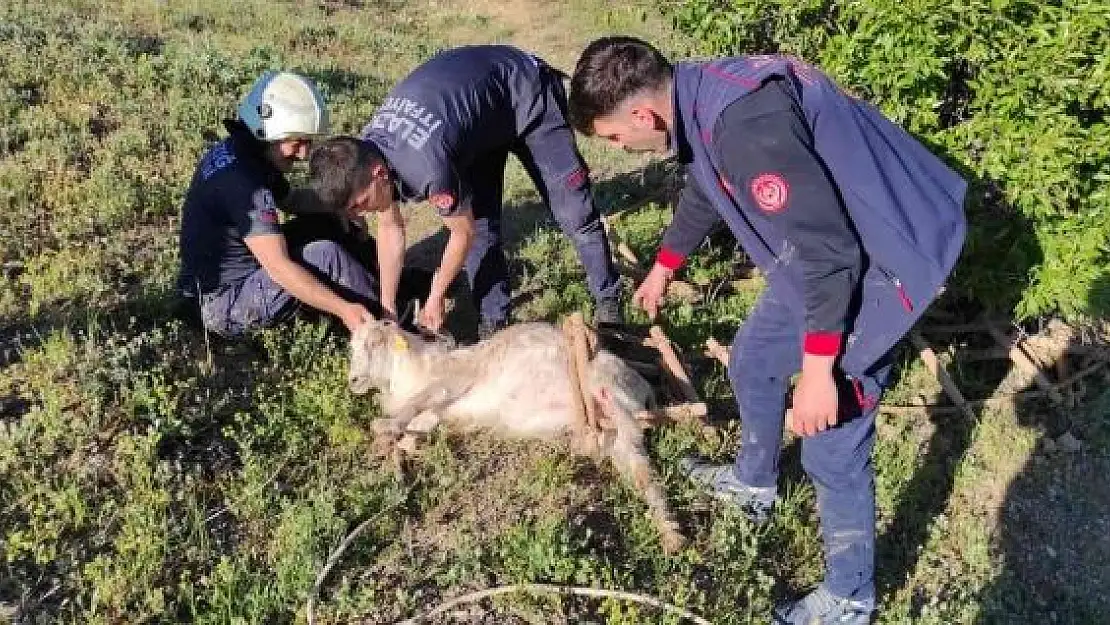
(1025,363)
(929,357)
(626,253)
(995,401)
(677,289)
(561,590)
(694,412)
(673,365)
(713,349)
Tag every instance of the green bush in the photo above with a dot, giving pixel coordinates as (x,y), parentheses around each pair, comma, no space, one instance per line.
(1014,94)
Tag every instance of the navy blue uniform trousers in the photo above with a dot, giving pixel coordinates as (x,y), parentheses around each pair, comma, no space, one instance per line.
(548,153)
(257,301)
(766,352)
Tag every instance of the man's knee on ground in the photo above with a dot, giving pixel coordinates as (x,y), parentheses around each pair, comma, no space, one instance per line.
(324,255)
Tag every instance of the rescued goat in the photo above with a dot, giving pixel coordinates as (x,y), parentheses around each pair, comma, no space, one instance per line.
(516,383)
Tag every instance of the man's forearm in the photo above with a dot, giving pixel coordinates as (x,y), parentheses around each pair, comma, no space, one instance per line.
(391,258)
(304,286)
(454,257)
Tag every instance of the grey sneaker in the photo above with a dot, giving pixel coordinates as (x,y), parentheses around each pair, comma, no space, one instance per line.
(720,481)
(821,607)
(608,312)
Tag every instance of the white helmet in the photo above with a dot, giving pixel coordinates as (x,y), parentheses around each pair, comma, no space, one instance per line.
(283,105)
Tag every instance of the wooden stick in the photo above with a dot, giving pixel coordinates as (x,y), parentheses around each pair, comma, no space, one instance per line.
(677,289)
(676,413)
(994,400)
(574,344)
(929,357)
(574,328)
(713,349)
(627,254)
(673,365)
(561,590)
(1025,363)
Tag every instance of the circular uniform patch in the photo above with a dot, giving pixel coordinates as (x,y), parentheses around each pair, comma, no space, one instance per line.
(770,192)
(443,202)
(265,208)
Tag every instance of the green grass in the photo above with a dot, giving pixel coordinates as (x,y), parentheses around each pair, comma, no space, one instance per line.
(148,474)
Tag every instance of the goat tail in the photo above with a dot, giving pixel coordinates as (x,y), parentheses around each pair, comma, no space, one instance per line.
(630,458)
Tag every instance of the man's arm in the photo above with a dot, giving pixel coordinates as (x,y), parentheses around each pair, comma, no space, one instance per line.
(391,255)
(272,254)
(461,227)
(766,151)
(693,220)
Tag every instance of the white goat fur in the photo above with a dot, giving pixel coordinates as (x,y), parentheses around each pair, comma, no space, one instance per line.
(516,383)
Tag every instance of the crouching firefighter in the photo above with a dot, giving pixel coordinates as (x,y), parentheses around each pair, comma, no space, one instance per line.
(237,263)
(444,135)
(856,226)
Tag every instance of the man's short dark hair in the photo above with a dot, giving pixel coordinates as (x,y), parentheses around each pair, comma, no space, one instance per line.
(610,70)
(340,167)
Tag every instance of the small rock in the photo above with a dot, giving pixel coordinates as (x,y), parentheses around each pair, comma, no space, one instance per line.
(1068,443)
(1050,551)
(1049,446)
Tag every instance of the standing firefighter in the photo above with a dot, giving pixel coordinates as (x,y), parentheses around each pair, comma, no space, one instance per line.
(444,134)
(234,256)
(856,227)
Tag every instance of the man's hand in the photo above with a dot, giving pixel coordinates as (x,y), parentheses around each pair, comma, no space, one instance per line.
(815,397)
(353,315)
(462,232)
(654,287)
(432,314)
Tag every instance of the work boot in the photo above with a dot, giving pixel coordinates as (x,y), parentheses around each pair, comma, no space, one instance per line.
(821,607)
(608,312)
(487,328)
(721,483)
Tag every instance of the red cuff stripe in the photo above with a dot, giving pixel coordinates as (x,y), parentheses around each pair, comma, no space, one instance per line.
(822,343)
(669,258)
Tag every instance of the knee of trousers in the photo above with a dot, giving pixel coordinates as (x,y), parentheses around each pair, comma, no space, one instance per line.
(324,255)
(575,213)
(838,469)
(766,365)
